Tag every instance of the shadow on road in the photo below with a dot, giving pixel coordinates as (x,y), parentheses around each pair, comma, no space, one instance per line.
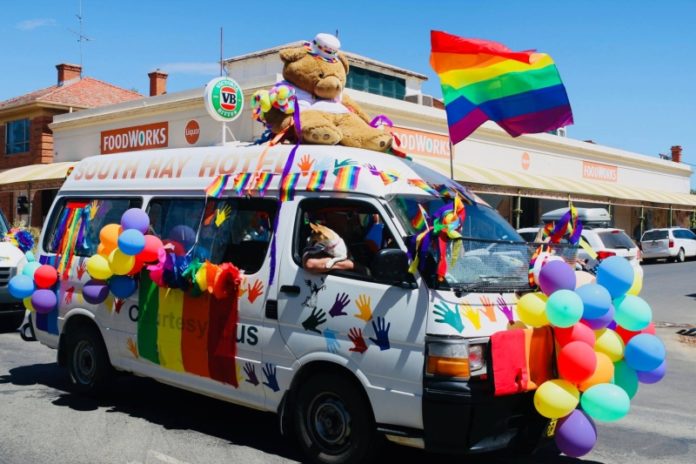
(173,408)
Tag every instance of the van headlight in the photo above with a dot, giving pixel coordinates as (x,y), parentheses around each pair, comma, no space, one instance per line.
(455,358)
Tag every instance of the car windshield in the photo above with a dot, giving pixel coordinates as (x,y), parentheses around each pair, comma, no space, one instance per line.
(4,225)
(491,255)
(654,235)
(616,239)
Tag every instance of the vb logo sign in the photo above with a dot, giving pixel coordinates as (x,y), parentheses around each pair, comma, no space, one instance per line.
(223,99)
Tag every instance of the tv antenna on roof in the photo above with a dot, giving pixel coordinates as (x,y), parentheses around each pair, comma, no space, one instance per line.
(80,36)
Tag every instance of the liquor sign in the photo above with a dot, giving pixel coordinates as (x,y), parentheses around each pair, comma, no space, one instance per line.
(223,99)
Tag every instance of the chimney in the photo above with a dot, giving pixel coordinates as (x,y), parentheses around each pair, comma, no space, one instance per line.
(676,153)
(158,82)
(68,72)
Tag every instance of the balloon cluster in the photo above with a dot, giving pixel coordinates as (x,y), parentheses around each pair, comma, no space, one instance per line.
(606,345)
(35,286)
(122,252)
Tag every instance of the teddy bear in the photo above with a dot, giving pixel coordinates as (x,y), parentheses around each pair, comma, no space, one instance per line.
(315,74)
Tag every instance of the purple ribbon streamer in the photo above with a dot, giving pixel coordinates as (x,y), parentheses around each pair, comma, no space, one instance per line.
(381,119)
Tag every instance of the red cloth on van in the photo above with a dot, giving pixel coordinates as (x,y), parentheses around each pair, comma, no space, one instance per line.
(509,362)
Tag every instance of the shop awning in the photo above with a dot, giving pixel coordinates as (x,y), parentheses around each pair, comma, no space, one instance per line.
(497,177)
(35,173)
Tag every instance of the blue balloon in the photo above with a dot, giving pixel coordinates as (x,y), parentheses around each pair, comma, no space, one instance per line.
(644,352)
(131,242)
(616,275)
(21,286)
(122,286)
(596,300)
(654,375)
(30,268)
(632,312)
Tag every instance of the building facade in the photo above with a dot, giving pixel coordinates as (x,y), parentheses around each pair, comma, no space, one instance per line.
(522,177)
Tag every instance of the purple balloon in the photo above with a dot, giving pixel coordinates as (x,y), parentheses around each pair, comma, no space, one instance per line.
(576,434)
(183,234)
(654,375)
(556,275)
(135,218)
(601,322)
(44,301)
(95,291)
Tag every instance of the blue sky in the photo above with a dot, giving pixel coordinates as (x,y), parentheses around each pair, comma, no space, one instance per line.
(628,66)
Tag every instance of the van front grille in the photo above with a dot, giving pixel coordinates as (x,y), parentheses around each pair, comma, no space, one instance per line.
(5,273)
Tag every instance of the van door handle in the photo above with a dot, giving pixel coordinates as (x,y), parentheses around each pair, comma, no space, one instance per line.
(290,289)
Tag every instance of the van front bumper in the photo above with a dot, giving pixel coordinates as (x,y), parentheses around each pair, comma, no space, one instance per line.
(465,418)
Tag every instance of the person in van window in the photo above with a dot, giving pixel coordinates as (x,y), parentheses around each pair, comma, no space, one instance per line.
(315,256)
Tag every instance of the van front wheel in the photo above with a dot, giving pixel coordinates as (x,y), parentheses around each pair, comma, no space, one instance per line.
(88,361)
(333,421)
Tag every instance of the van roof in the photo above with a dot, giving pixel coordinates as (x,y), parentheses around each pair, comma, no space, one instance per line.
(192,170)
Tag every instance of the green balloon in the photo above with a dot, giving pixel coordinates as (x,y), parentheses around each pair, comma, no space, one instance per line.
(605,402)
(564,308)
(626,377)
(632,312)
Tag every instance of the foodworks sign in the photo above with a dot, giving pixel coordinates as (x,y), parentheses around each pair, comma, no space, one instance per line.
(415,142)
(135,138)
(600,171)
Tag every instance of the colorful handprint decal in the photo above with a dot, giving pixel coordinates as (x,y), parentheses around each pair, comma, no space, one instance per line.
(340,303)
(255,291)
(381,337)
(365,307)
(355,335)
(450,316)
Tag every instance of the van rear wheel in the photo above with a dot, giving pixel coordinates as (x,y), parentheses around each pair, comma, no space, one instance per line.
(333,421)
(88,360)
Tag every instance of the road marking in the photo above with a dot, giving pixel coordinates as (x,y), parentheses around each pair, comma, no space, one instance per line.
(155,457)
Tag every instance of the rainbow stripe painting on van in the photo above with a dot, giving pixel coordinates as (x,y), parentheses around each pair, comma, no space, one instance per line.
(197,335)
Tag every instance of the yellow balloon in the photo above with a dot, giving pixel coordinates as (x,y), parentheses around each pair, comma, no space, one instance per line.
(609,343)
(98,267)
(531,309)
(202,278)
(556,398)
(637,282)
(583,278)
(121,263)
(28,305)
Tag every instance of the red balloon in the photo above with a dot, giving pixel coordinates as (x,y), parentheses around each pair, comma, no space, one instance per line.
(576,333)
(139,263)
(577,361)
(45,276)
(151,250)
(626,335)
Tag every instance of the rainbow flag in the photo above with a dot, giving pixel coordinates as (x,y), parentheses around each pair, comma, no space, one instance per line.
(288,186)
(419,221)
(346,177)
(483,80)
(316,181)
(263,181)
(217,186)
(423,185)
(240,182)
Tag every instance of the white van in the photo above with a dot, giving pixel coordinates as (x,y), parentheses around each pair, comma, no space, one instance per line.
(343,357)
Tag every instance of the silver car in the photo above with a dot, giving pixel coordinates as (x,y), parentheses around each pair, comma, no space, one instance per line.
(674,243)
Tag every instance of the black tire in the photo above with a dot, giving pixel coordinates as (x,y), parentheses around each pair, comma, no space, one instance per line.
(88,361)
(11,322)
(333,421)
(681,256)
(649,260)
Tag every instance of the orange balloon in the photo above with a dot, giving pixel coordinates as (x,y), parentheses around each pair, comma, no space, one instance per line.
(108,236)
(603,373)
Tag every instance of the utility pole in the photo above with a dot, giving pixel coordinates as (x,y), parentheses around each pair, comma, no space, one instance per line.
(80,36)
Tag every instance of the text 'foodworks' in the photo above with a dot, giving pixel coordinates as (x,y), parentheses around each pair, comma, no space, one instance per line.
(134,138)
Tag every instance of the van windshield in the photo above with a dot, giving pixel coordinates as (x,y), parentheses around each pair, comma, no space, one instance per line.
(490,256)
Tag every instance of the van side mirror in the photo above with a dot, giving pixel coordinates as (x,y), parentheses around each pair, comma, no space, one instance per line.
(390,266)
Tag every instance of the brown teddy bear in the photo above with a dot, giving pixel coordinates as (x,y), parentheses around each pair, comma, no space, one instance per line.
(316,74)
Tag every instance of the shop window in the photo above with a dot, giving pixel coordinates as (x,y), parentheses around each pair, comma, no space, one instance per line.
(76,223)
(377,83)
(17,136)
(232,230)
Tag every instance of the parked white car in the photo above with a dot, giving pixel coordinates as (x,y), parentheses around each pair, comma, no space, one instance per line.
(672,243)
(605,241)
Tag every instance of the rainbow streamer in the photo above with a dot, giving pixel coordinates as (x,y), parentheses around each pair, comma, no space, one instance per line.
(423,185)
(346,178)
(484,80)
(217,186)
(262,182)
(240,182)
(419,221)
(288,186)
(316,181)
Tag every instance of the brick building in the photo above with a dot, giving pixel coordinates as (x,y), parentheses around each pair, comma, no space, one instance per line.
(28,176)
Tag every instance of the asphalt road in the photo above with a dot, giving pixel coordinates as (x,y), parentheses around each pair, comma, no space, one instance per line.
(148,423)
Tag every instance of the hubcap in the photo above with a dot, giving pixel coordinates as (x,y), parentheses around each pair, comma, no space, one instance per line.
(84,362)
(329,422)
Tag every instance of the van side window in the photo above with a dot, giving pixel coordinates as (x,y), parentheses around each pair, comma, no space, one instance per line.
(358,223)
(236,230)
(85,218)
